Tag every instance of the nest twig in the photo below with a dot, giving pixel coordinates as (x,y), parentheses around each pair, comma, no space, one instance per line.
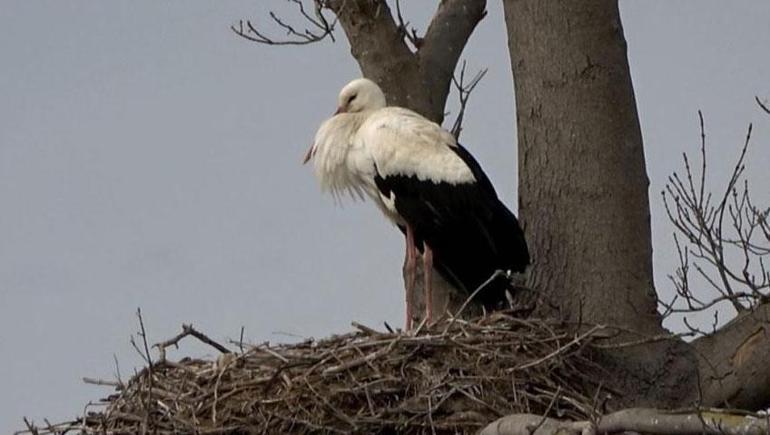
(456,376)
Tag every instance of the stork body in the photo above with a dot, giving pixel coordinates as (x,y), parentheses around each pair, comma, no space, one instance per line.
(425,183)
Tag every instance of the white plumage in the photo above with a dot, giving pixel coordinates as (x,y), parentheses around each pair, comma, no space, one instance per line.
(401,142)
(364,134)
(424,182)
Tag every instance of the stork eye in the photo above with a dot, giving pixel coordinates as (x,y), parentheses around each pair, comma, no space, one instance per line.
(351,98)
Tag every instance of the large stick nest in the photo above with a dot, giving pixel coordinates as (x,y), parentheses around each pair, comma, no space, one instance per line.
(456,376)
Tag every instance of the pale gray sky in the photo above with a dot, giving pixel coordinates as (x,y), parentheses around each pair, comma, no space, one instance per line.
(148,157)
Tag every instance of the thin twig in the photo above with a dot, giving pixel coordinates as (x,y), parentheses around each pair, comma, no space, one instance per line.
(323,27)
(762,105)
(464,93)
(483,285)
(188,330)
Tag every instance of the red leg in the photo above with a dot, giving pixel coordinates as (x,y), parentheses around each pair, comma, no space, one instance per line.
(427,270)
(410,264)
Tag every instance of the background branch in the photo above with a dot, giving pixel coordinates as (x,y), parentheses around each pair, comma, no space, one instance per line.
(444,41)
(464,92)
(403,26)
(725,239)
(316,28)
(763,106)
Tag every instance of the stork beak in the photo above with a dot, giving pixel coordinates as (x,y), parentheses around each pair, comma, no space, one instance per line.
(309,154)
(339,110)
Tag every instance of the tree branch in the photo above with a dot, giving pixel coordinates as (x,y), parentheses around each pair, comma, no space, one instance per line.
(444,41)
(464,91)
(419,81)
(377,43)
(733,362)
(645,420)
(763,106)
(726,239)
(403,26)
(188,330)
(322,28)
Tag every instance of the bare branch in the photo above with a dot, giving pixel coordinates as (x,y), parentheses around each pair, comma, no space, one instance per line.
(116,384)
(763,105)
(322,27)
(444,41)
(464,92)
(403,28)
(724,240)
(149,404)
(188,330)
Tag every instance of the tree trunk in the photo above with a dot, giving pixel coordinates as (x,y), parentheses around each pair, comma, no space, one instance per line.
(583,190)
(582,177)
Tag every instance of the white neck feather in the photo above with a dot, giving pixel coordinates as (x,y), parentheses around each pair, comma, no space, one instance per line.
(333,142)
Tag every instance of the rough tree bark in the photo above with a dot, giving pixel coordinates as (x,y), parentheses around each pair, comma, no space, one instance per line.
(733,362)
(583,188)
(633,420)
(582,177)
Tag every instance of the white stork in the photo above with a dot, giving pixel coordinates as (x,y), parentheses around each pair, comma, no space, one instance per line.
(425,183)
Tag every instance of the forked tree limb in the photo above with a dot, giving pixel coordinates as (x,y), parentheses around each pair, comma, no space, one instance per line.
(643,420)
(378,45)
(734,362)
(417,80)
(444,41)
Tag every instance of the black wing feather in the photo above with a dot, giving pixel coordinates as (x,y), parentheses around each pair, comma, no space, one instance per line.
(472,233)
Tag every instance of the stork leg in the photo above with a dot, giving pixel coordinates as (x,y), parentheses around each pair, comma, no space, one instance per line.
(427,270)
(410,265)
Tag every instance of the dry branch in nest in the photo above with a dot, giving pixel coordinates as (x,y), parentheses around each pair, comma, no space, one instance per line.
(457,376)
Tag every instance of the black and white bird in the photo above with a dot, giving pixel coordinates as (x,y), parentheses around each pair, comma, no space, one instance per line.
(425,183)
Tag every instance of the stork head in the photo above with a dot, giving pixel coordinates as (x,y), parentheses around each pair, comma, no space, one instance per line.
(360,95)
